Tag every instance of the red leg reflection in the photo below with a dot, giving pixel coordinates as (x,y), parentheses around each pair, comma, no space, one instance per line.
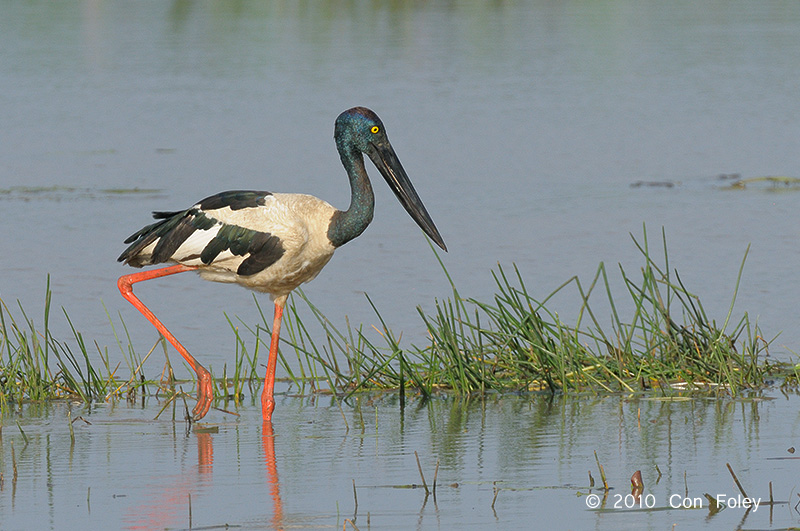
(165,505)
(268,440)
(205,452)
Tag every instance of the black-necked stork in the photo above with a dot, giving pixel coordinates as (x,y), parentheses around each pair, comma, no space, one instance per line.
(270,242)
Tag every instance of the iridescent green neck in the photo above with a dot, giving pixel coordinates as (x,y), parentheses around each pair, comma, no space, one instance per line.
(348,224)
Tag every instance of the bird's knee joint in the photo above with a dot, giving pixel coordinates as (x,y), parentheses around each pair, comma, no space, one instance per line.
(124,285)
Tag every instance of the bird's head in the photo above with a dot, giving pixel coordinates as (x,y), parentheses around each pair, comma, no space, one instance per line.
(359,128)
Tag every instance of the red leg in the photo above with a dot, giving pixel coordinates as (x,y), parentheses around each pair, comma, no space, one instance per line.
(205,391)
(267,400)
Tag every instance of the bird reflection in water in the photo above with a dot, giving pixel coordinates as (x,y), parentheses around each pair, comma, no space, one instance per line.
(170,498)
(268,440)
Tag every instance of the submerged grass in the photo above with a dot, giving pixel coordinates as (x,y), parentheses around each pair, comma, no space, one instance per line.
(509,344)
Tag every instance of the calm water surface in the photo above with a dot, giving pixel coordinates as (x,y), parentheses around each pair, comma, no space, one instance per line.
(128,471)
(522,125)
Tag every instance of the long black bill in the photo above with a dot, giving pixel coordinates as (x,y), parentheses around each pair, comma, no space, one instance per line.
(385,159)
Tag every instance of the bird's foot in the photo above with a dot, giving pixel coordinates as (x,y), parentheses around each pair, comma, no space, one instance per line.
(205,394)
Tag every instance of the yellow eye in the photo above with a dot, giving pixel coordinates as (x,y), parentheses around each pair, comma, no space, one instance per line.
(375,129)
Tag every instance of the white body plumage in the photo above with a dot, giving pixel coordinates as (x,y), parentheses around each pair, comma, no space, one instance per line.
(299,222)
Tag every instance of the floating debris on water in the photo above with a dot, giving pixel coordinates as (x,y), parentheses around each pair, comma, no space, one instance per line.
(729,181)
(776,182)
(72,193)
(653,184)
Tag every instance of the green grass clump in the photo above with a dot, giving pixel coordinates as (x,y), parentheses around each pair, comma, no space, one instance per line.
(514,343)
(509,344)
(27,370)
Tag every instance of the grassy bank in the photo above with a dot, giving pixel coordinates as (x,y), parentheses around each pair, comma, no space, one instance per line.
(666,344)
(514,343)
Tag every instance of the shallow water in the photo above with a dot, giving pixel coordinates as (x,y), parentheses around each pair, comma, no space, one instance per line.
(522,124)
(128,471)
